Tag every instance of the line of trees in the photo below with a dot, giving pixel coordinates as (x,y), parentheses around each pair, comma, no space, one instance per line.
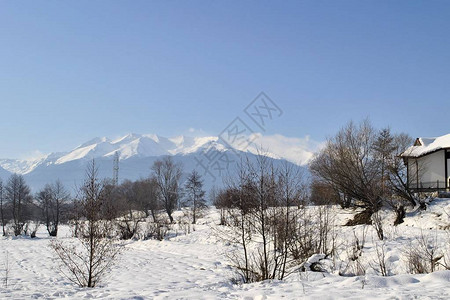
(129,203)
(25,212)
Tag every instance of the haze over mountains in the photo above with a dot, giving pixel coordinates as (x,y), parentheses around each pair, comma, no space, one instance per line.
(209,155)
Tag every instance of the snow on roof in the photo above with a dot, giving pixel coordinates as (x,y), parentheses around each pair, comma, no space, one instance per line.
(424,146)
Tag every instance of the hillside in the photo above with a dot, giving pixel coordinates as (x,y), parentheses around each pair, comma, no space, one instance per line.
(137,152)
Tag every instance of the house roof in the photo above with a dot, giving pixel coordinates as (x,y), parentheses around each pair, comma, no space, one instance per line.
(423,146)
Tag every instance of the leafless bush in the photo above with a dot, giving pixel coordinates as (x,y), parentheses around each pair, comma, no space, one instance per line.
(157,230)
(306,243)
(445,261)
(128,224)
(87,259)
(354,265)
(184,222)
(365,167)
(424,254)
(326,234)
(377,223)
(271,229)
(7,270)
(380,263)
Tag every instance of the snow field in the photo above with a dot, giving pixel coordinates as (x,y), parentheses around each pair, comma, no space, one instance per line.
(194,266)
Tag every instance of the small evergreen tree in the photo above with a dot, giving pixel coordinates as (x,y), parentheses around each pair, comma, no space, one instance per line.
(195,195)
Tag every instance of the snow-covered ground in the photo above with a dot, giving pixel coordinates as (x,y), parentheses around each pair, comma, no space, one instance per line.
(194,266)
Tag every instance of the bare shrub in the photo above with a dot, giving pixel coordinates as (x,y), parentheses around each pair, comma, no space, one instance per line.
(87,259)
(128,224)
(445,261)
(326,235)
(157,230)
(306,243)
(354,265)
(423,255)
(377,223)
(184,222)
(380,263)
(7,270)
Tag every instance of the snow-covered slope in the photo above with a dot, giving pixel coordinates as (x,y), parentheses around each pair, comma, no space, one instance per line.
(139,145)
(197,266)
(128,146)
(4,174)
(137,152)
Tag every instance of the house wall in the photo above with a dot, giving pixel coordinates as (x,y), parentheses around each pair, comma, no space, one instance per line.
(431,168)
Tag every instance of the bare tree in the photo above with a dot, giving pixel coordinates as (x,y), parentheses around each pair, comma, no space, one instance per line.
(224,202)
(51,200)
(384,148)
(2,209)
(19,198)
(87,261)
(129,214)
(168,174)
(396,190)
(263,215)
(235,197)
(348,162)
(364,165)
(195,195)
(148,196)
(290,185)
(323,193)
(398,177)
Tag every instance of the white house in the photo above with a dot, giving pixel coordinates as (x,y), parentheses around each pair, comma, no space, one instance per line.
(427,163)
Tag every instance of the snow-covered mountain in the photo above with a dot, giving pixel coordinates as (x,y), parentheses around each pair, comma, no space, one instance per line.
(137,152)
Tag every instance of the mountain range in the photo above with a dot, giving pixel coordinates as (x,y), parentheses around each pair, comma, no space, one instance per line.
(209,155)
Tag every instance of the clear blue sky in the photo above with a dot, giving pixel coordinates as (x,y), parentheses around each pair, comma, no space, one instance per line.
(73,70)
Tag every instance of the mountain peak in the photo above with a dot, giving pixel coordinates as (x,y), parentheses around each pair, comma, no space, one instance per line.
(128,146)
(96,140)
